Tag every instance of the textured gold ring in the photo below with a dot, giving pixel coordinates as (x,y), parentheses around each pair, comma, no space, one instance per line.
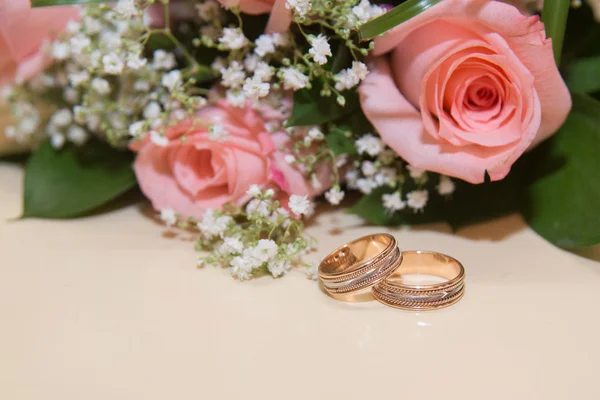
(360,264)
(400,291)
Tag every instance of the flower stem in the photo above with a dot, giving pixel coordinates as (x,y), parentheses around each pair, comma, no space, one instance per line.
(554,16)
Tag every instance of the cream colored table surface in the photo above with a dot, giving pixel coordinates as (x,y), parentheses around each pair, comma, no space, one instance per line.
(108,308)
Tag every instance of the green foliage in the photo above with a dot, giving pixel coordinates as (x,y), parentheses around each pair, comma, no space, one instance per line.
(554,17)
(562,203)
(396,16)
(310,108)
(583,75)
(72,181)
(468,204)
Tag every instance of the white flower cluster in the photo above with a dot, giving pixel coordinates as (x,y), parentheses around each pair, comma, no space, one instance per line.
(109,88)
(381,167)
(261,239)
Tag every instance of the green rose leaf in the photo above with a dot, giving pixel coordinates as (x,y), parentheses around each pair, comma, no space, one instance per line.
(340,141)
(310,108)
(583,75)
(48,3)
(562,204)
(73,181)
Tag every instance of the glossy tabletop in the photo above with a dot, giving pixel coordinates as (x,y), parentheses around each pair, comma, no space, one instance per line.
(112,307)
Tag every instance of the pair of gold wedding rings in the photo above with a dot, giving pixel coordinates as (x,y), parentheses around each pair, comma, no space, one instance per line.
(375,265)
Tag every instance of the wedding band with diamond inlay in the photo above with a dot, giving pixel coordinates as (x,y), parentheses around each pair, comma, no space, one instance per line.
(360,264)
(410,286)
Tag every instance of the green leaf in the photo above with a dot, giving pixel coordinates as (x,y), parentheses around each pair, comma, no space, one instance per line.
(394,17)
(49,3)
(70,182)
(554,17)
(583,75)
(340,140)
(562,204)
(310,108)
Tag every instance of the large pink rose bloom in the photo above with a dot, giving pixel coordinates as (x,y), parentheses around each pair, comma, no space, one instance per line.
(199,173)
(23,32)
(279,20)
(469,85)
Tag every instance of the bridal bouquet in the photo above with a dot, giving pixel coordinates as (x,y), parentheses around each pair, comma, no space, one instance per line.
(236,118)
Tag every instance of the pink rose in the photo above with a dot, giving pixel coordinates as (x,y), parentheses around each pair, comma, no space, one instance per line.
(469,86)
(201,173)
(23,32)
(280,18)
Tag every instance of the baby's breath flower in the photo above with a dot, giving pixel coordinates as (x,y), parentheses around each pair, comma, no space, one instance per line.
(290,159)
(62,118)
(233,76)
(79,43)
(386,176)
(158,139)
(152,110)
(255,88)
(369,144)
(299,204)
(366,11)
(162,60)
(101,86)
(320,49)
(113,64)
(135,62)
(60,51)
(137,128)
(258,206)
(312,272)
(251,62)
(446,186)
(172,80)
(299,7)
(253,191)
(79,78)
(77,135)
(417,199)
(231,245)
(393,202)
(279,267)
(414,172)
(233,39)
(127,8)
(57,140)
(263,71)
(264,45)
(366,185)
(334,195)
(236,98)
(368,168)
(293,79)
(315,133)
(168,216)
(241,267)
(265,250)
(211,225)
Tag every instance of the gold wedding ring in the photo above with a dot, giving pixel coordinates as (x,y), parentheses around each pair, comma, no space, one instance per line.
(360,264)
(374,265)
(400,290)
